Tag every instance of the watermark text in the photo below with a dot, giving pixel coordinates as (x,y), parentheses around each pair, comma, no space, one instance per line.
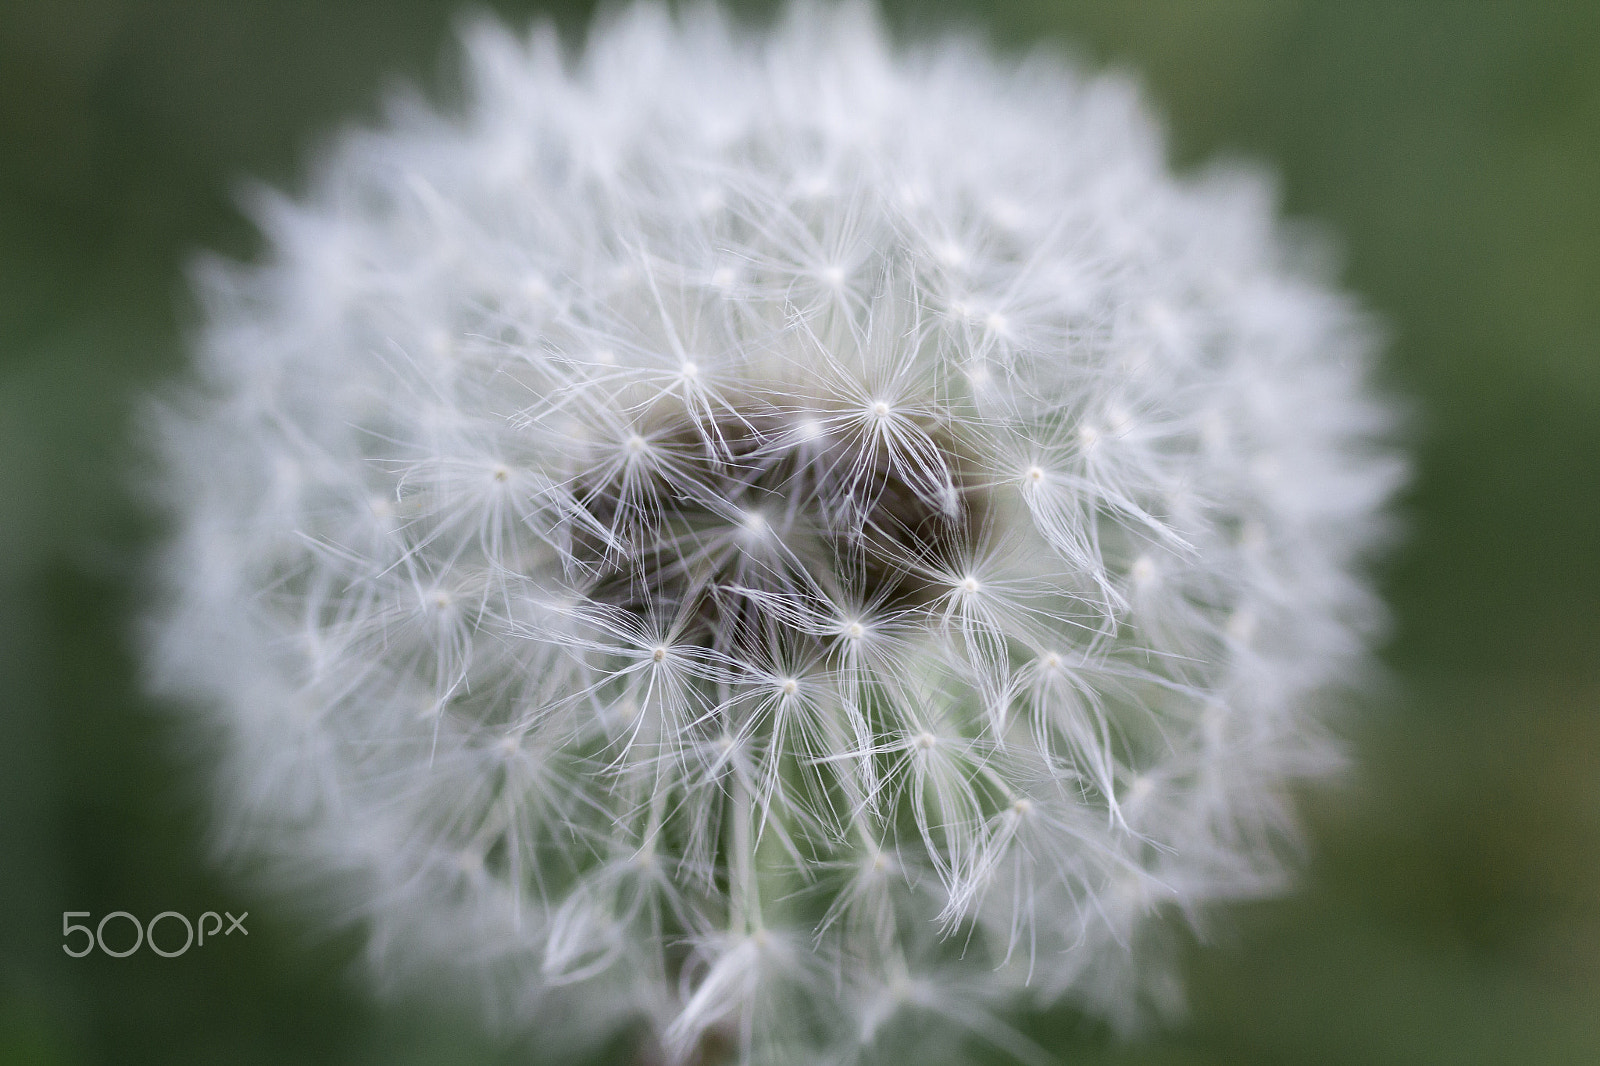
(122,925)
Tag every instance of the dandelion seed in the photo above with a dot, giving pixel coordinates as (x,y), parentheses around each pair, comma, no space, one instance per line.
(536,288)
(1143,570)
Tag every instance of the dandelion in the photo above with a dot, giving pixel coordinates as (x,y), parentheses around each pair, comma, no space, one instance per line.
(769,535)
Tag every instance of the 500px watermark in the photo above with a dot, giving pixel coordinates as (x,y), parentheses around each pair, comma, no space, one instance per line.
(146,934)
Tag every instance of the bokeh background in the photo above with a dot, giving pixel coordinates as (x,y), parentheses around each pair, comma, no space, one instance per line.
(1450,909)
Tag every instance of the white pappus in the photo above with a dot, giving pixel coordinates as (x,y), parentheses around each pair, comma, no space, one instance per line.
(771,535)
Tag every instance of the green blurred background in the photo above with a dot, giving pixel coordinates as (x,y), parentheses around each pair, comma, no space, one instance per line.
(1450,911)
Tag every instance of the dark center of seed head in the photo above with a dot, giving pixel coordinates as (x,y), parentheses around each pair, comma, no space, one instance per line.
(753,523)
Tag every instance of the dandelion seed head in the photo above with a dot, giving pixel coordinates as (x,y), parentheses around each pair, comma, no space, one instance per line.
(731,520)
